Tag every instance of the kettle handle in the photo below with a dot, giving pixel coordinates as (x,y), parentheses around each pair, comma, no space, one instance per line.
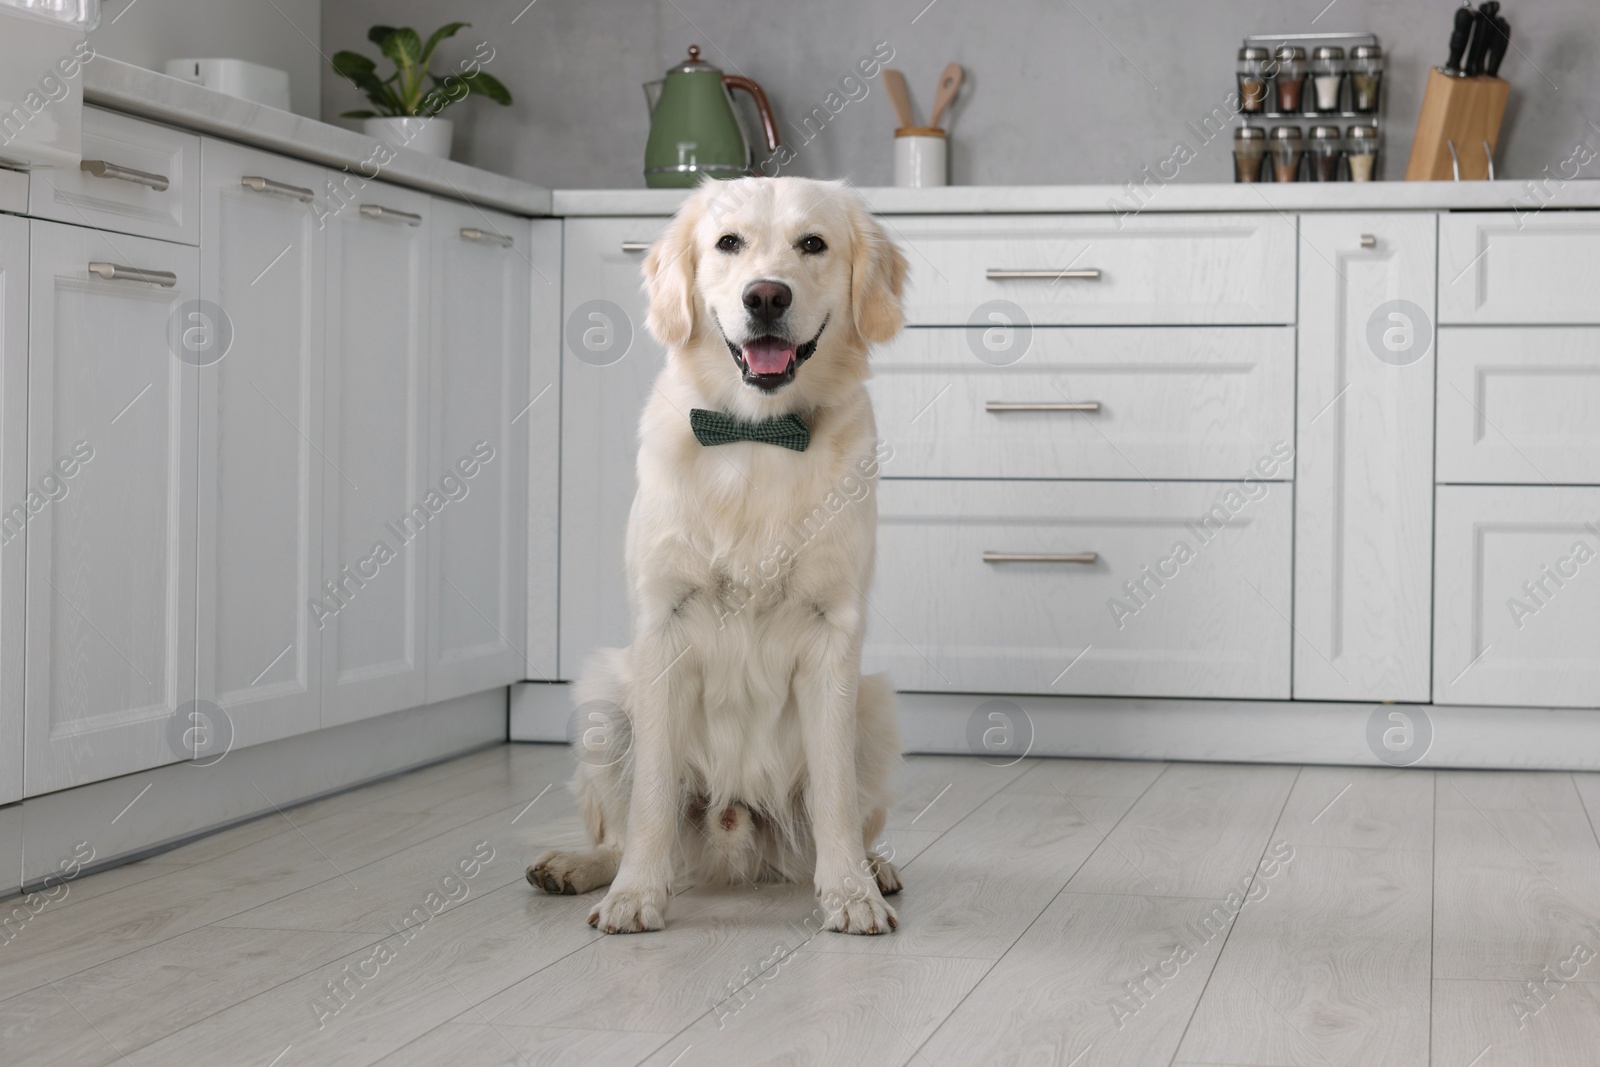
(769,125)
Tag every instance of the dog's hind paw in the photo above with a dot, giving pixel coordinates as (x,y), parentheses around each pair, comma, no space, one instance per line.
(570,873)
(630,911)
(885,874)
(858,913)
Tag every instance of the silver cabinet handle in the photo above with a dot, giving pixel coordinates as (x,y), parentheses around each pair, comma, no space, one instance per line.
(1368,241)
(101,169)
(1041,557)
(1044,405)
(472,233)
(272,188)
(635,246)
(378,211)
(996,274)
(111,272)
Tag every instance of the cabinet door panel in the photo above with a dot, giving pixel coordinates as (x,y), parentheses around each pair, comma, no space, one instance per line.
(13,490)
(261,466)
(111,595)
(477,547)
(1364,475)
(603,313)
(376,513)
(1517,611)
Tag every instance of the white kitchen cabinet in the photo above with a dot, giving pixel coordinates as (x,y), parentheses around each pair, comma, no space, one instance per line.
(376,507)
(110,626)
(1364,475)
(1098,270)
(1132,588)
(136,177)
(1517,607)
(1519,268)
(608,368)
(1519,404)
(478,449)
(541,660)
(1093,402)
(258,341)
(14,493)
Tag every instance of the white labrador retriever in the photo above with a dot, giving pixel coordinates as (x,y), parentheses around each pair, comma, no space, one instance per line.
(739,741)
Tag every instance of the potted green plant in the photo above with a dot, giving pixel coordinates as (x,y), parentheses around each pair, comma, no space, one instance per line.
(406,105)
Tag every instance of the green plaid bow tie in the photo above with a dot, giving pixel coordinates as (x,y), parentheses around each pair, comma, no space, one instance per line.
(720,428)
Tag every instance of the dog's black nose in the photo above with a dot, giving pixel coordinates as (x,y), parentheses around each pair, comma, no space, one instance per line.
(767,300)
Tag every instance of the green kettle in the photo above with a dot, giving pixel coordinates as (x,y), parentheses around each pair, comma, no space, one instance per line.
(693,129)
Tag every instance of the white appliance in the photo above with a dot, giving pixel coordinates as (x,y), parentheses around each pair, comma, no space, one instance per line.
(267,86)
(43,47)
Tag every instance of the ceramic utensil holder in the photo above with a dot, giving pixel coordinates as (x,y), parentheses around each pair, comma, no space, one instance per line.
(920,157)
(1464,112)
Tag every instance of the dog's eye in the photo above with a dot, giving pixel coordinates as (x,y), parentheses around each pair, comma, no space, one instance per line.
(730,242)
(813,245)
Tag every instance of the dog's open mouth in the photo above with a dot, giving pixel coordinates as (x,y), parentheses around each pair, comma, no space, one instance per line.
(769,362)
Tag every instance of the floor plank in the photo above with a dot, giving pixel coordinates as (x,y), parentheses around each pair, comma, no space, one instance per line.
(112,1009)
(1328,962)
(1082,985)
(1360,807)
(936,792)
(1198,831)
(365,1006)
(974,890)
(829,1010)
(1487,1024)
(466,1041)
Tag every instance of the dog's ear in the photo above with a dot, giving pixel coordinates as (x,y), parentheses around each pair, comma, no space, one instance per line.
(669,279)
(877,276)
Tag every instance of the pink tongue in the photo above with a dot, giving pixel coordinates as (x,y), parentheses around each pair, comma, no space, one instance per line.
(768,356)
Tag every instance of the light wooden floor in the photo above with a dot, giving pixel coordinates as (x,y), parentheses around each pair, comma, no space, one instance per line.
(1055,912)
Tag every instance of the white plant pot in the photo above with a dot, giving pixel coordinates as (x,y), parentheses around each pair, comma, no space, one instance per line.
(430,136)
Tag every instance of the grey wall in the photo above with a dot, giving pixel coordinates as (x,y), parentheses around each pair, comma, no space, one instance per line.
(284,33)
(1058,91)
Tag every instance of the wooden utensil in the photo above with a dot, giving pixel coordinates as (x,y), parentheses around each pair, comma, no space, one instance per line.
(949,84)
(895,84)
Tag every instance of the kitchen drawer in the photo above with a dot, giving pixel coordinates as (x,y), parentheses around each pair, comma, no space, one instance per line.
(1517,596)
(1519,405)
(1145,270)
(1511,269)
(1173,603)
(150,185)
(1162,402)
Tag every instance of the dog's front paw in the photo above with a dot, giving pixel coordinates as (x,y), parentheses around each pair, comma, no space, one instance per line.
(855,911)
(630,911)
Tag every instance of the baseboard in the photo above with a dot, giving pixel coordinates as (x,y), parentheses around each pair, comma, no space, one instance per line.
(1246,731)
(136,815)
(539,711)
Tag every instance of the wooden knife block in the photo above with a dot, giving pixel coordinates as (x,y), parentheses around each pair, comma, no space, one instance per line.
(1465,111)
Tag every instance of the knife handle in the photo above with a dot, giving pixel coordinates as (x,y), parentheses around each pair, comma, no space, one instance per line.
(1458,40)
(1481,32)
(1500,40)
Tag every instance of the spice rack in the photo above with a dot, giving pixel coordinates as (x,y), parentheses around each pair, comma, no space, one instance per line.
(1310,116)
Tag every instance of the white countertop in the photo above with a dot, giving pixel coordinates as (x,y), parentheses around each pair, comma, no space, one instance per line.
(1114,199)
(137,91)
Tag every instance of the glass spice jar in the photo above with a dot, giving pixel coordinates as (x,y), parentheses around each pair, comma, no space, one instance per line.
(1361,152)
(1291,79)
(1286,153)
(1366,77)
(1324,153)
(1249,150)
(1327,76)
(1253,63)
